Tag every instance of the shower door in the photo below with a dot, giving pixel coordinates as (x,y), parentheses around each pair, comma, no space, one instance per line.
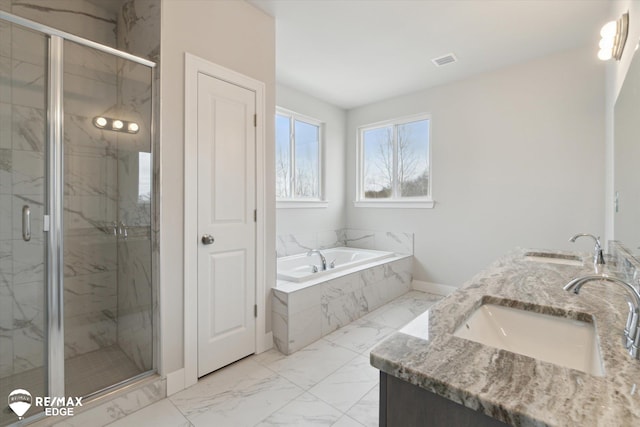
(107,219)
(23,190)
(76,203)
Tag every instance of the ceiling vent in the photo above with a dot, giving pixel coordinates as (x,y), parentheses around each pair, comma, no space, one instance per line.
(449,58)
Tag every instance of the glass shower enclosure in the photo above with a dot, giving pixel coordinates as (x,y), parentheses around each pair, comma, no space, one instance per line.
(76,200)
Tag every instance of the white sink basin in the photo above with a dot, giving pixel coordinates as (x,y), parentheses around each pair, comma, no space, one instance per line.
(564,342)
(552,258)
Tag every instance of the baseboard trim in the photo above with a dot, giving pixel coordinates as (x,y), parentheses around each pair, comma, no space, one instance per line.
(175,382)
(432,288)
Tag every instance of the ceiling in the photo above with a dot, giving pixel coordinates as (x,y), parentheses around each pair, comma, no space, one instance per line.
(355,52)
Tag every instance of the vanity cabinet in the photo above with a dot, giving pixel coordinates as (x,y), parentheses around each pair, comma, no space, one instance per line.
(406,405)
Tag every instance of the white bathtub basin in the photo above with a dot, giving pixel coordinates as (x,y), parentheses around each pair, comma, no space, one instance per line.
(564,342)
(298,268)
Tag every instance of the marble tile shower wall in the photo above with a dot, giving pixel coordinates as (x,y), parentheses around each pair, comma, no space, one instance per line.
(297,243)
(138,33)
(90,196)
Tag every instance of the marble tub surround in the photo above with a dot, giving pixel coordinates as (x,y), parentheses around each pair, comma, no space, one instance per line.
(512,388)
(305,312)
(297,243)
(398,242)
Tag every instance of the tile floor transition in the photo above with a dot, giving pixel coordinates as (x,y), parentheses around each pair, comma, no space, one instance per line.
(328,383)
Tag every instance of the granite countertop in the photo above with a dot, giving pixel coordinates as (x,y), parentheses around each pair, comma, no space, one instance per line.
(513,388)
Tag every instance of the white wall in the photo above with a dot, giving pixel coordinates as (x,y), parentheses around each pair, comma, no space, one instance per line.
(332,217)
(616,72)
(518,160)
(235,35)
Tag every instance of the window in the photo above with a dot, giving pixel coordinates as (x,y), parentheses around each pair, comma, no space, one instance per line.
(144,177)
(298,159)
(394,163)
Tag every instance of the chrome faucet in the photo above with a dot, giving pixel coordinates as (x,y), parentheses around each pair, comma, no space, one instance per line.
(632,328)
(598,257)
(324,260)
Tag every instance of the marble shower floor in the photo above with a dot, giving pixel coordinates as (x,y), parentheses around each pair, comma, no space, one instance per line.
(328,383)
(85,374)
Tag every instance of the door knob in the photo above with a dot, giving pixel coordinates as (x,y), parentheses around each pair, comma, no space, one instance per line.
(207,239)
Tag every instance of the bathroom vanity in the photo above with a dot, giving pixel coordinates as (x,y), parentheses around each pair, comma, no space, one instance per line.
(431,376)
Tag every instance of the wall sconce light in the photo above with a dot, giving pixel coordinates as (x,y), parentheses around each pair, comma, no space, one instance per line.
(118,125)
(614,36)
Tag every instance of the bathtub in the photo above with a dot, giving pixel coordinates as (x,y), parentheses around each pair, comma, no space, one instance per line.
(300,268)
(307,306)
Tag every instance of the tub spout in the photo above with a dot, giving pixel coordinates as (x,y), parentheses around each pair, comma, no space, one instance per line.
(322,258)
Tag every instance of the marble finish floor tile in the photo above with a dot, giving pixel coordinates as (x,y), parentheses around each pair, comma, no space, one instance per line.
(366,410)
(360,335)
(402,310)
(306,410)
(327,383)
(241,394)
(312,364)
(346,421)
(347,385)
(162,413)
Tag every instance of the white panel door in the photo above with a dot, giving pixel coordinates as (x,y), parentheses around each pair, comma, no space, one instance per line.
(226,203)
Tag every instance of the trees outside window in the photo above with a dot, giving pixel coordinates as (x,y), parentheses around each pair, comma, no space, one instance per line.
(395,161)
(298,157)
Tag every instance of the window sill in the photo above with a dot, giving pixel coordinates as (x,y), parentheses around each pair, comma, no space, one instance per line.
(395,204)
(301,204)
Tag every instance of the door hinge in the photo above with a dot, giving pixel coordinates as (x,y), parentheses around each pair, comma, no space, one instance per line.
(255,215)
(255,120)
(255,310)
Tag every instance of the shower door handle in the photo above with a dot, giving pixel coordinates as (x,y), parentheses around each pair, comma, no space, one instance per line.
(207,239)
(26,223)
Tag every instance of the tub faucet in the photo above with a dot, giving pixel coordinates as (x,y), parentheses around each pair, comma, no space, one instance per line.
(598,257)
(324,260)
(632,328)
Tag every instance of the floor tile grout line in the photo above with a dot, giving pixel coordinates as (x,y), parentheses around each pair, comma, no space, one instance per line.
(178,409)
(286,403)
(330,373)
(354,420)
(360,400)
(345,412)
